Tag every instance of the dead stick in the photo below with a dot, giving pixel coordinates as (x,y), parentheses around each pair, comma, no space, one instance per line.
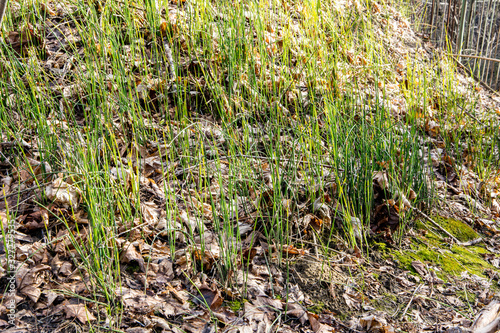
(411,300)
(436,224)
(475,57)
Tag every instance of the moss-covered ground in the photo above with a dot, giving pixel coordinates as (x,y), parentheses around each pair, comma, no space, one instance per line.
(433,248)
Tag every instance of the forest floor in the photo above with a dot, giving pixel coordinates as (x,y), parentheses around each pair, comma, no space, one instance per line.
(240,166)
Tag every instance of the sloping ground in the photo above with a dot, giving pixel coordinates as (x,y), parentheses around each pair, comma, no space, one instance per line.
(241,166)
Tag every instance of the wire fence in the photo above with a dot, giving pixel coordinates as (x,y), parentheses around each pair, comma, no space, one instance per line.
(469,29)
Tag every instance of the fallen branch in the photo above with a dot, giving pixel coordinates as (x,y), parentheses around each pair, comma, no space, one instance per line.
(436,224)
(474,57)
(411,300)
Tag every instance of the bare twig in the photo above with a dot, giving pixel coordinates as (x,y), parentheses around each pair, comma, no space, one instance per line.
(411,300)
(471,242)
(436,224)
(475,57)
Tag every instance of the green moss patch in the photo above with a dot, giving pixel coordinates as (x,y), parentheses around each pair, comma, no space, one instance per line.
(448,262)
(434,250)
(317,308)
(462,231)
(235,305)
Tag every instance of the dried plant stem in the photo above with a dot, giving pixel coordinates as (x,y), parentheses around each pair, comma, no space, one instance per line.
(411,300)
(171,67)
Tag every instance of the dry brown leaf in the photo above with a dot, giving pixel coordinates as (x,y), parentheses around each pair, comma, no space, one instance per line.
(63,194)
(130,254)
(298,311)
(352,298)
(209,297)
(419,267)
(375,324)
(259,320)
(78,311)
(488,318)
(150,212)
(66,268)
(138,302)
(318,327)
(32,292)
(29,279)
(380,177)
